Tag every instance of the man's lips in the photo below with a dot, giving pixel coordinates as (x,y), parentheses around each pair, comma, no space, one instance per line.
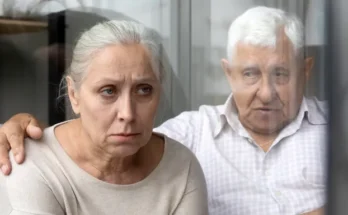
(267,109)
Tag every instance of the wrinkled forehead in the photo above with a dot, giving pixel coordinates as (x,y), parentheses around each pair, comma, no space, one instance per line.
(121,60)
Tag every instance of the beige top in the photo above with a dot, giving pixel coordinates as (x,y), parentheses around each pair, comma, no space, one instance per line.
(49,182)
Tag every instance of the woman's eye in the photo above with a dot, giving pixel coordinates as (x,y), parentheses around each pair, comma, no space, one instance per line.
(108,92)
(249,74)
(144,90)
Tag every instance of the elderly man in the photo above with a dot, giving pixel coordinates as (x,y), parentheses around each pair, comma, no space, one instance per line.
(263,151)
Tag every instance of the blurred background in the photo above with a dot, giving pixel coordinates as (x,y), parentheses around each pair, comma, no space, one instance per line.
(36,38)
(37,34)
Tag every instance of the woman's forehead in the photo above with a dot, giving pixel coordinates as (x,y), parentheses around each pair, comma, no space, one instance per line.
(120,60)
(122,56)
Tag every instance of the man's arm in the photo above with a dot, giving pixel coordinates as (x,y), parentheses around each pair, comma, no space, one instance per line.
(319,211)
(184,128)
(12,135)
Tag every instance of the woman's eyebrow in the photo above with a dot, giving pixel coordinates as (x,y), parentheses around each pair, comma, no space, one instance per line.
(147,79)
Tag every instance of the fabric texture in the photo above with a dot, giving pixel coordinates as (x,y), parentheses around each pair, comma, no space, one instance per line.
(242,179)
(49,182)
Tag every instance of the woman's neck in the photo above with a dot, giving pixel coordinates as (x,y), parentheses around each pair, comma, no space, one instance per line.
(100,163)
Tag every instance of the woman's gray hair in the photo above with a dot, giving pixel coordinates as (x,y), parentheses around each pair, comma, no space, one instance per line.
(111,33)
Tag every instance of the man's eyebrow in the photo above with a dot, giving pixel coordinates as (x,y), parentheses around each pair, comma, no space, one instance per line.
(250,67)
(280,65)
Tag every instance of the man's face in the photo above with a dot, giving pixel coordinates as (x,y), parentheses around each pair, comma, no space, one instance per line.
(267,84)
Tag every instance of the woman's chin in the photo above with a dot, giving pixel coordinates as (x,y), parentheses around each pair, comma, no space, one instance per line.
(125,149)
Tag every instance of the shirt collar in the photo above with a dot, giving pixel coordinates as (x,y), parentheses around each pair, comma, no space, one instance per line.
(227,115)
(312,109)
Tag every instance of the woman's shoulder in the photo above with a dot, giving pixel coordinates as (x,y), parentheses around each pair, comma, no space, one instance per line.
(40,157)
(43,146)
(38,153)
(182,165)
(178,149)
(179,157)
(40,174)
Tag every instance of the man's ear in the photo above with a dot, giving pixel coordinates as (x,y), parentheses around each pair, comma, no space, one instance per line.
(225,66)
(309,62)
(73,95)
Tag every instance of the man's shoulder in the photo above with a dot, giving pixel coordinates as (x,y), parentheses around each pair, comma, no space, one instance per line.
(206,112)
(211,109)
(318,113)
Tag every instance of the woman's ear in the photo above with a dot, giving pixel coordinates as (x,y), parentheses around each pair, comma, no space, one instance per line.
(73,94)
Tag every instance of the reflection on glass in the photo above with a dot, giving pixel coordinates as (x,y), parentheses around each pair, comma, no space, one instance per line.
(257,67)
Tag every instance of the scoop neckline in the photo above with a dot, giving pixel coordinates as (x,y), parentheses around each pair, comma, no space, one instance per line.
(65,158)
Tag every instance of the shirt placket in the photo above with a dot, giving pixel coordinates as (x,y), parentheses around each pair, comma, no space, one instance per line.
(268,182)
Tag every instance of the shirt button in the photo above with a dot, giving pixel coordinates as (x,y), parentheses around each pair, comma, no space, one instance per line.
(278,193)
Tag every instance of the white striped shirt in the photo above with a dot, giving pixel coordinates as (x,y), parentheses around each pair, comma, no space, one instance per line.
(242,178)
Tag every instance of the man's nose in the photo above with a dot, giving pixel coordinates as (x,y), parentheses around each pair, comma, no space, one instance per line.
(266,91)
(125,108)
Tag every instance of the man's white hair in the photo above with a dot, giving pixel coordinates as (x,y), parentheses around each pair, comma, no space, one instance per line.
(260,26)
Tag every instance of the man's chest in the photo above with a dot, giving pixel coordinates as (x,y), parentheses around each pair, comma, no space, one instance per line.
(242,179)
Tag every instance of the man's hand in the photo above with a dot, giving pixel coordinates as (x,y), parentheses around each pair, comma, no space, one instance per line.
(319,211)
(12,135)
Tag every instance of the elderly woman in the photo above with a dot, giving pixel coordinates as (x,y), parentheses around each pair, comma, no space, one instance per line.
(108,160)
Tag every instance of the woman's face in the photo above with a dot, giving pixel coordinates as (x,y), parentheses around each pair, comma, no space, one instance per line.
(118,99)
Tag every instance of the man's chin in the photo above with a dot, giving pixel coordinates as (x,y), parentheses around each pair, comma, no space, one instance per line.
(267,130)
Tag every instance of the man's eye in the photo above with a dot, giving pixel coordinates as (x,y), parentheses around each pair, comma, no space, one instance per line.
(281,76)
(280,73)
(250,73)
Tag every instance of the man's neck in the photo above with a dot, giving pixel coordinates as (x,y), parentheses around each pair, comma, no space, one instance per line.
(264,141)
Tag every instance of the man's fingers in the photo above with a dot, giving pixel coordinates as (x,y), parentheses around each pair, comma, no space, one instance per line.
(5,165)
(17,145)
(34,128)
(16,129)
(15,137)
(34,132)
